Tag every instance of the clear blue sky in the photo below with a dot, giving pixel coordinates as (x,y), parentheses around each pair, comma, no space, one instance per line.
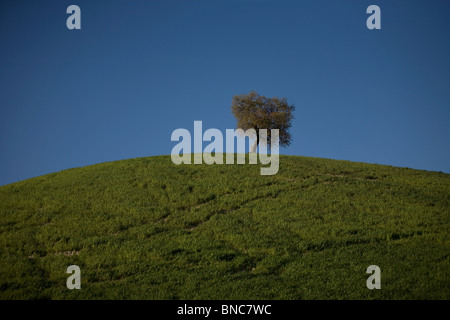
(140,69)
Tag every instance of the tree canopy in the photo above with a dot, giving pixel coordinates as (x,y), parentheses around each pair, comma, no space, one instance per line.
(253,111)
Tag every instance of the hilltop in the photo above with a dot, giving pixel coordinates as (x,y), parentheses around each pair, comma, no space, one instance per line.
(148,229)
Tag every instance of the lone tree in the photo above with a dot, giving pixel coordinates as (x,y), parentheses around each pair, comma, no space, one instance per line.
(253,111)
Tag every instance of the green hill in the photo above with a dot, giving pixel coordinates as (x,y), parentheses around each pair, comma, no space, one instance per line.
(148,229)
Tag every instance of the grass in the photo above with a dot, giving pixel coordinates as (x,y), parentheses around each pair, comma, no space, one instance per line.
(147,229)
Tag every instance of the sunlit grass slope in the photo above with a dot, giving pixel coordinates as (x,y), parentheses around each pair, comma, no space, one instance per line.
(148,229)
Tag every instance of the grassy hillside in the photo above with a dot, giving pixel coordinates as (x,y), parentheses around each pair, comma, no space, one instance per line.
(148,229)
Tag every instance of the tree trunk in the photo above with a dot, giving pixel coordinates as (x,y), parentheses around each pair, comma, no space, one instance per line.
(255,143)
(253,147)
